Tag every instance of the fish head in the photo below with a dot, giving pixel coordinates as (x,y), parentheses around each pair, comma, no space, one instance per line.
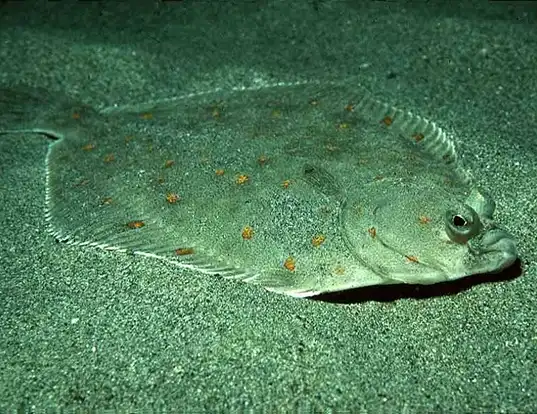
(424,233)
(489,248)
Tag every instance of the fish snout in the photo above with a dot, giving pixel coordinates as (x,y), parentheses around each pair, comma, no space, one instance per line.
(496,250)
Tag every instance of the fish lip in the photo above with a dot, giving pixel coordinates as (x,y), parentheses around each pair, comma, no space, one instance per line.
(498,242)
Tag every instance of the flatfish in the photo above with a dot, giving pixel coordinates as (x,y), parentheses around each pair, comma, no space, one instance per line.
(301,188)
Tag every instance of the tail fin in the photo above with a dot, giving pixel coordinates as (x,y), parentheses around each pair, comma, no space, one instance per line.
(27,109)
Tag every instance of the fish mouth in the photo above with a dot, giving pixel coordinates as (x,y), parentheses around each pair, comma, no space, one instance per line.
(493,252)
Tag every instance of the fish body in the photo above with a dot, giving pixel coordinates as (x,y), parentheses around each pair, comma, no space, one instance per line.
(301,188)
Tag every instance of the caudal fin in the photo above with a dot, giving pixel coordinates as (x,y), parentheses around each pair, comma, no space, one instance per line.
(28,109)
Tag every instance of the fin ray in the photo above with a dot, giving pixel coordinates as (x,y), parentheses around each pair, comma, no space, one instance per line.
(427,134)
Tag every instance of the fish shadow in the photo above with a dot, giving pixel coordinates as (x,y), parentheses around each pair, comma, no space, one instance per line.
(390,293)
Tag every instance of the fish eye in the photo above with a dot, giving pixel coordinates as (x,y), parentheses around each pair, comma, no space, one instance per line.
(461,226)
(459,221)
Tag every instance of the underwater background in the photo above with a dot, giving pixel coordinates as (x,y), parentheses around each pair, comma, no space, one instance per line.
(81,327)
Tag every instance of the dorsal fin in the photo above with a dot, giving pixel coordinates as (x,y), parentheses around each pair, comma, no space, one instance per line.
(427,134)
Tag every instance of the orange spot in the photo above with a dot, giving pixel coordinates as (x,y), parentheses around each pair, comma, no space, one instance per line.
(168,163)
(172,198)
(109,158)
(372,232)
(219,172)
(418,137)
(242,179)
(82,183)
(318,240)
(262,160)
(183,251)
(339,270)
(129,138)
(412,259)
(289,264)
(76,115)
(387,120)
(136,224)
(106,201)
(349,107)
(331,147)
(424,220)
(276,113)
(247,233)
(88,147)
(146,116)
(286,183)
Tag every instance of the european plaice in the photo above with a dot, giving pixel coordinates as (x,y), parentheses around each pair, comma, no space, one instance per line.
(301,188)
